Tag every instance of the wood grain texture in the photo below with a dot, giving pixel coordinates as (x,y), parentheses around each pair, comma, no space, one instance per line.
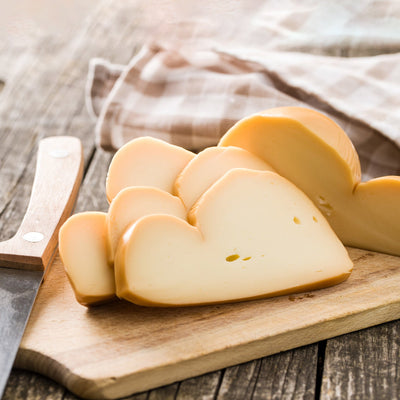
(205,387)
(238,382)
(287,375)
(123,348)
(23,385)
(363,365)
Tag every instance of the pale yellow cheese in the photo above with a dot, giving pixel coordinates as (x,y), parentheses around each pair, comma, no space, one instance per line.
(316,155)
(83,250)
(88,240)
(146,161)
(132,203)
(210,165)
(253,234)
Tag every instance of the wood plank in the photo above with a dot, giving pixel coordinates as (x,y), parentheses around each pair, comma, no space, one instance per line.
(203,387)
(14,56)
(92,195)
(164,393)
(290,375)
(363,365)
(239,382)
(24,385)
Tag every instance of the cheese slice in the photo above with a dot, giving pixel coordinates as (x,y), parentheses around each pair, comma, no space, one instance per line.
(316,155)
(210,165)
(83,250)
(253,234)
(146,161)
(132,203)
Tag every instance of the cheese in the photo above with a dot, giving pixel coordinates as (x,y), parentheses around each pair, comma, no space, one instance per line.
(210,165)
(88,240)
(146,162)
(253,234)
(315,154)
(83,250)
(132,203)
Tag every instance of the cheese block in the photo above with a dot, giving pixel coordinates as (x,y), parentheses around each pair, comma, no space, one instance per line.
(146,161)
(316,155)
(132,203)
(210,165)
(83,250)
(252,234)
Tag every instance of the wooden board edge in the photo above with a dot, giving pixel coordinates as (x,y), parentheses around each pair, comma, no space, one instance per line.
(113,387)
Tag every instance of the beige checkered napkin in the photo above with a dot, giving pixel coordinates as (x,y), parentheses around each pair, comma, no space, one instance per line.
(101,79)
(192,98)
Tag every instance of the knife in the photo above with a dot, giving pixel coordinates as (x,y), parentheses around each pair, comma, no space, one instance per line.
(26,257)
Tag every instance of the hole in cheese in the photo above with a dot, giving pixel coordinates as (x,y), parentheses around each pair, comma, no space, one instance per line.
(232,257)
(246,259)
(296,220)
(314,218)
(324,205)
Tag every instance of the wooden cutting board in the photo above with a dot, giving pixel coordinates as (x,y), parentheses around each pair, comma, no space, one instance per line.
(118,349)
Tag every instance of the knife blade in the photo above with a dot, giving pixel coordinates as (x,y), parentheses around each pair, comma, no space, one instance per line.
(27,256)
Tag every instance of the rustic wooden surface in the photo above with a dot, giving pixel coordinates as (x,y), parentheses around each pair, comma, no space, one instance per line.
(41,94)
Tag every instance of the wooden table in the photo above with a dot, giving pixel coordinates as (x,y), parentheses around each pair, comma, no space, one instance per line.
(42,94)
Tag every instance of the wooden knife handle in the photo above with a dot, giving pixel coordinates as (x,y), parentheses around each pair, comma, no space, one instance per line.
(59,171)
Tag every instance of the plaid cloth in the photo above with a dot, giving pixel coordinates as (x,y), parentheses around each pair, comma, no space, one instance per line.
(190,96)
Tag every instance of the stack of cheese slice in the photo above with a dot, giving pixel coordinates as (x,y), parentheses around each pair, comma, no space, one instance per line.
(251,234)
(185,229)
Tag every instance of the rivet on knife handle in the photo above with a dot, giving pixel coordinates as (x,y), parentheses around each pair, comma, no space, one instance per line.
(58,176)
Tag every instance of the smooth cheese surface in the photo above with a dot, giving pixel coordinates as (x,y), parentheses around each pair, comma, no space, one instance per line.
(316,155)
(209,166)
(83,250)
(253,234)
(146,161)
(132,203)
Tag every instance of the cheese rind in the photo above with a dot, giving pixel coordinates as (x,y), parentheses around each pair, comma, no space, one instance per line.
(316,155)
(83,250)
(146,161)
(132,203)
(254,235)
(209,166)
